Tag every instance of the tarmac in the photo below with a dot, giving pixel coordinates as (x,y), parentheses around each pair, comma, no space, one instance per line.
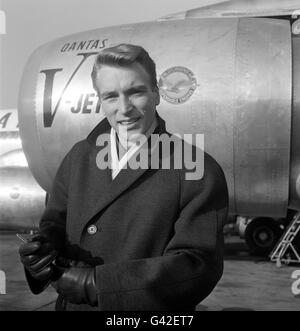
(248,282)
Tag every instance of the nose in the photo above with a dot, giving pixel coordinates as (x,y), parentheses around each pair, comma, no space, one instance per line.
(125,105)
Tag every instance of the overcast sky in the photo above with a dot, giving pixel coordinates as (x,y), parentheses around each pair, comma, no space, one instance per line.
(31,23)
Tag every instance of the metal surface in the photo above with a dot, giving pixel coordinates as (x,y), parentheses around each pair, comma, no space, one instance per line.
(262,128)
(240,8)
(14,158)
(294,200)
(9,141)
(21,199)
(241,100)
(9,131)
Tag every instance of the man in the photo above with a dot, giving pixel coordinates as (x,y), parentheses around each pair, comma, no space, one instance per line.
(118,238)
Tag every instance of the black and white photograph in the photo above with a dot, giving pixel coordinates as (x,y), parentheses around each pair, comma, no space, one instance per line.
(150,158)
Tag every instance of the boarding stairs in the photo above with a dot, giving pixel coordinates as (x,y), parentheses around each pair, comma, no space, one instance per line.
(285,251)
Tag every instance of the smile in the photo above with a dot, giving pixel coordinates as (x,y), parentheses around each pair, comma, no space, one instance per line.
(129,122)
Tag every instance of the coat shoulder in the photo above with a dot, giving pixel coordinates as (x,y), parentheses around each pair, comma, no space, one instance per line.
(207,178)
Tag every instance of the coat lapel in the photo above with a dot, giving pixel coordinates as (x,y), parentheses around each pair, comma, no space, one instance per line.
(100,189)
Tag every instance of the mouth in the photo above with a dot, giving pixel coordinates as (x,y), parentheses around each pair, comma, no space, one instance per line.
(128,122)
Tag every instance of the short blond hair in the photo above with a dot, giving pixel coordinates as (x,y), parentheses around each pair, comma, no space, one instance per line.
(122,55)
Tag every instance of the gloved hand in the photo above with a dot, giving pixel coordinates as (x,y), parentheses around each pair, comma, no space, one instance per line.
(76,284)
(37,257)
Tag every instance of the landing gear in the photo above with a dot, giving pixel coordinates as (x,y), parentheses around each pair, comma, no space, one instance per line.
(261,235)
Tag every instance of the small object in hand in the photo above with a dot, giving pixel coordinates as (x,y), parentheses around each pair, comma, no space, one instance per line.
(26,239)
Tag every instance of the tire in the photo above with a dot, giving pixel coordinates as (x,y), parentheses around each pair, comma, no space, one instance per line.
(261,235)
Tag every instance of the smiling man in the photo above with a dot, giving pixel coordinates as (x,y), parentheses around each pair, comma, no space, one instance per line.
(118,238)
(128,100)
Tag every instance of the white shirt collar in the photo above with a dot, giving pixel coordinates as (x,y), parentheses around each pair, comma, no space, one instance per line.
(116,164)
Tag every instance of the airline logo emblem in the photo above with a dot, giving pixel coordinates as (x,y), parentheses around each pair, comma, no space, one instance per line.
(177,85)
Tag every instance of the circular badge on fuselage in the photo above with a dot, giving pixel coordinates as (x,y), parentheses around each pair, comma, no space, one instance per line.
(177,84)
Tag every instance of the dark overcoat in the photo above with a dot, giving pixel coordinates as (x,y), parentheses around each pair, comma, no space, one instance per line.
(154,237)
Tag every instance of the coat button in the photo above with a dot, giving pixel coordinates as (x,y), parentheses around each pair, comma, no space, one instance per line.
(92,229)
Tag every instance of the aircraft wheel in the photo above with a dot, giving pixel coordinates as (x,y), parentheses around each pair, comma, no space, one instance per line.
(261,235)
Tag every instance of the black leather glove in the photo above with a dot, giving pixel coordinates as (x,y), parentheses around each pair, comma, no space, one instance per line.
(37,257)
(76,284)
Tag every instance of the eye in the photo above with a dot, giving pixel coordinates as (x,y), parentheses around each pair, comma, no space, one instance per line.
(137,92)
(109,97)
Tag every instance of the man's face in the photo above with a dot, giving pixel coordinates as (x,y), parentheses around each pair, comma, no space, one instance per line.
(128,99)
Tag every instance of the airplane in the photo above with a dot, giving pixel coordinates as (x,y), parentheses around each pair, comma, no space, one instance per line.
(230,70)
(22,200)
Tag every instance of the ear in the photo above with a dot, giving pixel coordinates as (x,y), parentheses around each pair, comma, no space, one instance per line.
(99,103)
(157,96)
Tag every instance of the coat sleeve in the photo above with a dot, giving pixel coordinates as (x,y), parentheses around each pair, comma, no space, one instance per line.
(53,220)
(192,262)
